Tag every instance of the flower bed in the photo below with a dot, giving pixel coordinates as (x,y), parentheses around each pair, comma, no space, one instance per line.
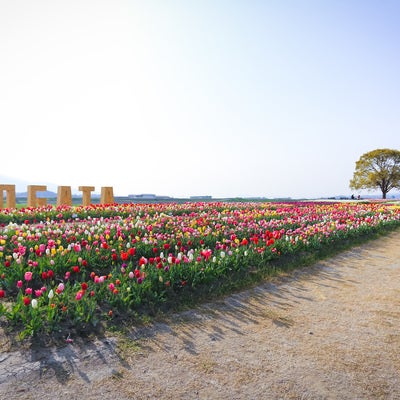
(79,266)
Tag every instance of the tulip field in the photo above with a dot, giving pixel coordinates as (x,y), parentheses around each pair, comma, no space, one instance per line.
(77,267)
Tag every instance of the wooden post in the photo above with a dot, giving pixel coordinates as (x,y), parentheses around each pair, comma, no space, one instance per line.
(86,200)
(41,201)
(33,201)
(64,196)
(107,195)
(10,196)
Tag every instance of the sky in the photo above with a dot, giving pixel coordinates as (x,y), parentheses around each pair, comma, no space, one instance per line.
(269,98)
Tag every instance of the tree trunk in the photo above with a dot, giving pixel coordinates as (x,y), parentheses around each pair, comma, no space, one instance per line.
(383,195)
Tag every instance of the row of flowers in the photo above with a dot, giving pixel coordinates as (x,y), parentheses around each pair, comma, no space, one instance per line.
(82,265)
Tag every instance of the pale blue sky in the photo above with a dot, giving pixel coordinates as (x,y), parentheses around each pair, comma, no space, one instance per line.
(221,98)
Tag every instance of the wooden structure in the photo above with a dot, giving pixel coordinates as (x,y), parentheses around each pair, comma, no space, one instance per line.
(64,196)
(11,201)
(33,201)
(86,197)
(107,195)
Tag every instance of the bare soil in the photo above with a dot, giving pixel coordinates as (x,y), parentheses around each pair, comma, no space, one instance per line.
(330,331)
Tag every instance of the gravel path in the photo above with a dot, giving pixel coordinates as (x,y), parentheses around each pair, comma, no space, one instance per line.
(331,331)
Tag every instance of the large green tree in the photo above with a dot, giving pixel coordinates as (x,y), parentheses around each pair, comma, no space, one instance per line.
(377,169)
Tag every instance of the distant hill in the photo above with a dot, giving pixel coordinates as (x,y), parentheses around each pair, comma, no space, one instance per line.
(46,194)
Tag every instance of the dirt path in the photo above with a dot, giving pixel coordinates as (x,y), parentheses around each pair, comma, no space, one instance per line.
(328,332)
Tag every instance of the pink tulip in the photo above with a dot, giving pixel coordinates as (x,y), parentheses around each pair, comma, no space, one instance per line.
(28,276)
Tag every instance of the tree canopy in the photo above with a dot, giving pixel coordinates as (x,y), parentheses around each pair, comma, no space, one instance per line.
(377,169)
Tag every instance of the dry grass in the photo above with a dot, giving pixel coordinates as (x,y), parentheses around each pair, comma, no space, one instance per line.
(328,332)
